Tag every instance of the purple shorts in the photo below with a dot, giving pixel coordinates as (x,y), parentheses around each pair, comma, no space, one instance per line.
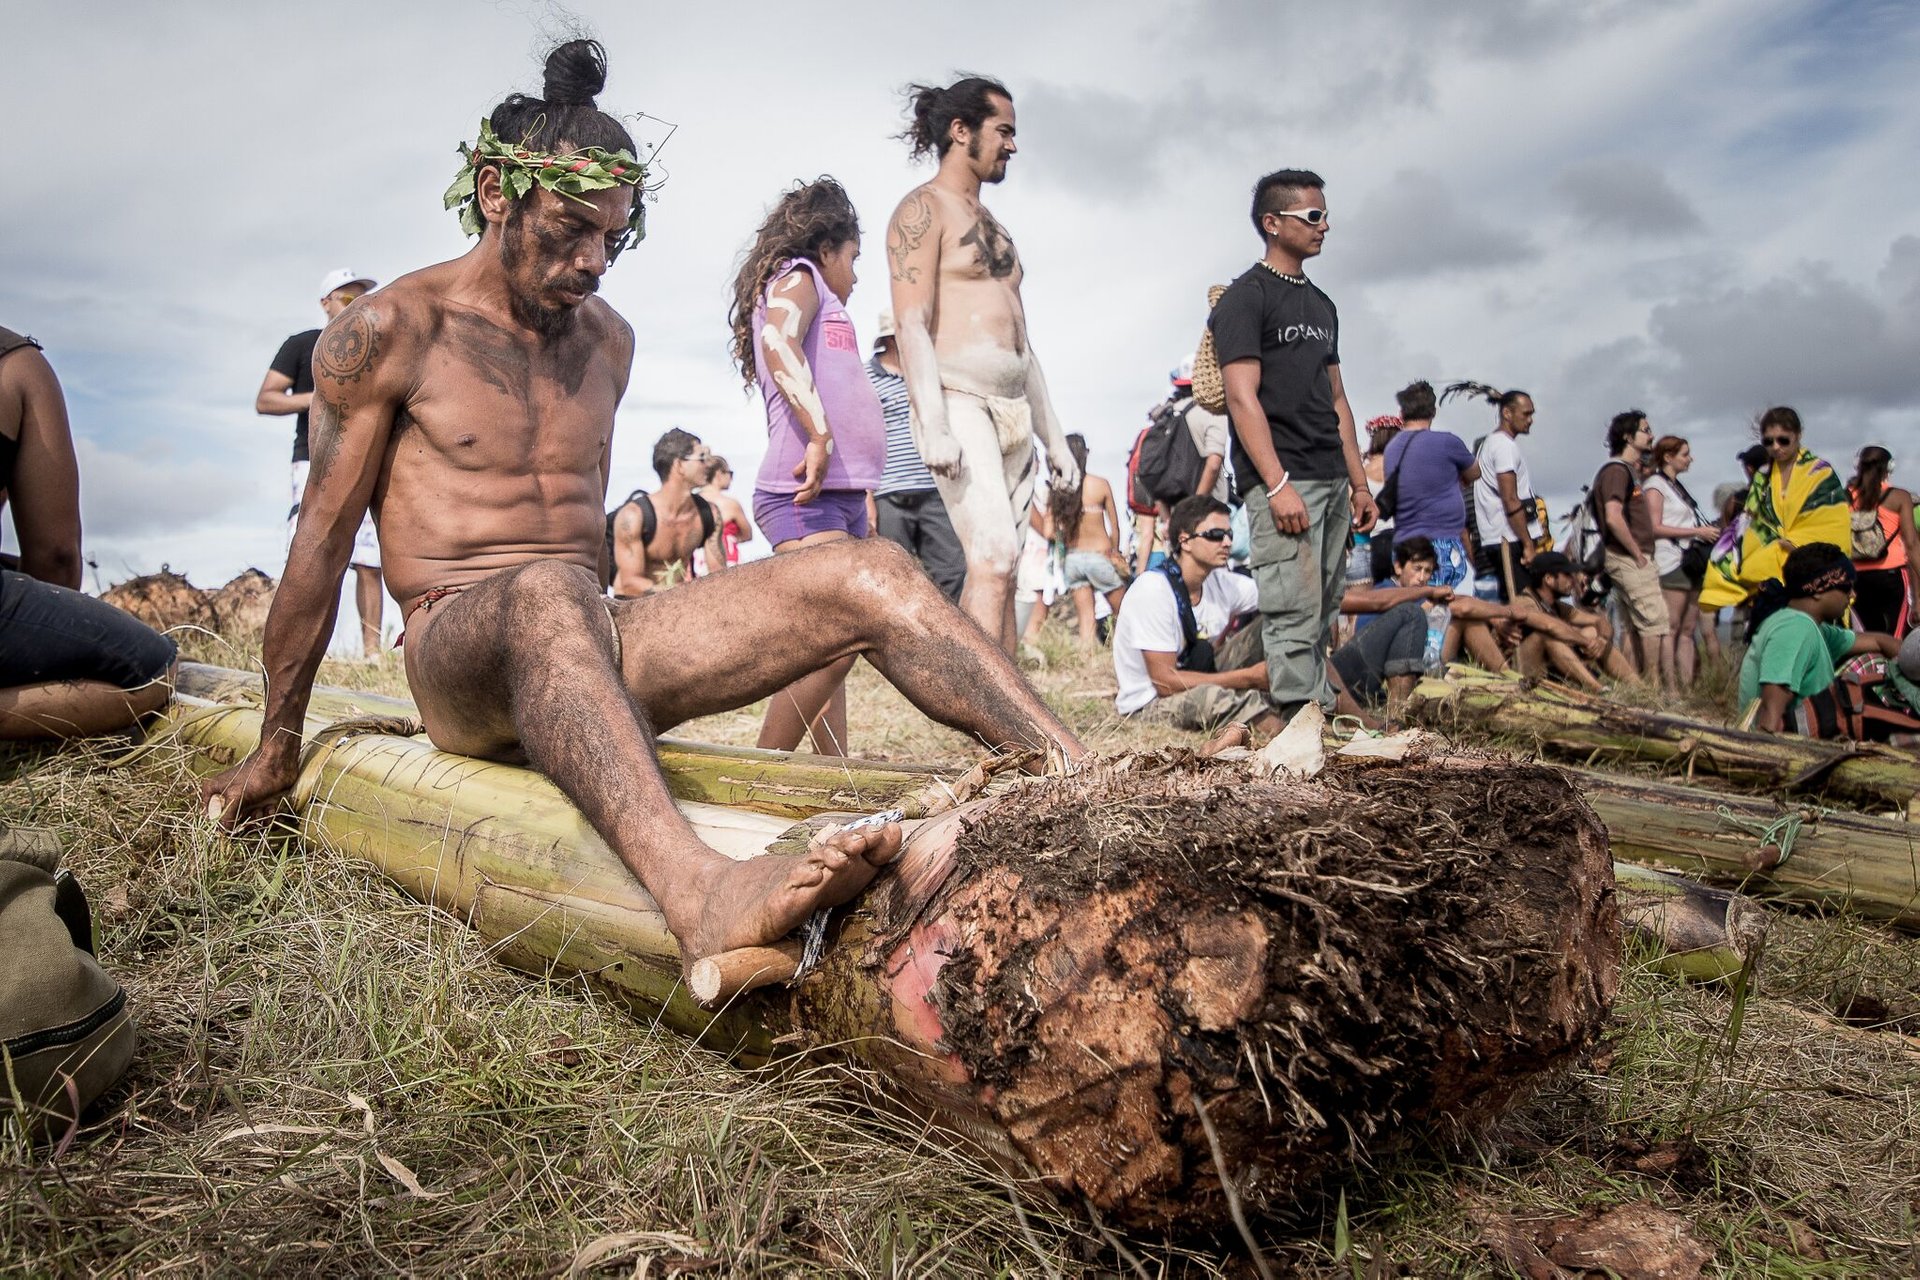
(834,511)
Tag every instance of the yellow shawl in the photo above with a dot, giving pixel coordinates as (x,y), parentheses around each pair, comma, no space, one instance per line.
(1810,507)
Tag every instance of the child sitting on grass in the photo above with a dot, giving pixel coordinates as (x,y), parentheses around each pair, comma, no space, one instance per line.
(1797,642)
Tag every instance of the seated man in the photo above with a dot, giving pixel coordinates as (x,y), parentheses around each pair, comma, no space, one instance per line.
(70,665)
(1173,656)
(472,403)
(1789,667)
(1549,633)
(655,534)
(1470,621)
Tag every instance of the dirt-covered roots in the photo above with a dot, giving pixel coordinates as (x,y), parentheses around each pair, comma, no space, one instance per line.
(1329,966)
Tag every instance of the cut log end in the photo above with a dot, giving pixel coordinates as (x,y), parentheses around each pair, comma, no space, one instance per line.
(1329,966)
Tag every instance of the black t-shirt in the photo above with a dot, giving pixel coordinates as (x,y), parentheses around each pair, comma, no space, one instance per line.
(295,360)
(1294,331)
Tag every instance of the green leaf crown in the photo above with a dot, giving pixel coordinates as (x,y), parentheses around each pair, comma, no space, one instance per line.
(571,175)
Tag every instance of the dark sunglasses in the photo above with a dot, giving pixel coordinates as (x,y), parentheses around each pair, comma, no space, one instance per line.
(1771,441)
(1213,535)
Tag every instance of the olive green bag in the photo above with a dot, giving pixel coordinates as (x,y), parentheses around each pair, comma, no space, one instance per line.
(65,1034)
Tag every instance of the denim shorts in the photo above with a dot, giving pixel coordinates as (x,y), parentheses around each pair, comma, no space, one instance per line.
(1092,569)
(49,633)
(834,511)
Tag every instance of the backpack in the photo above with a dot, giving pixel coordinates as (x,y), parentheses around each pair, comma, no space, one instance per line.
(650,525)
(65,1033)
(1586,541)
(1869,535)
(1166,465)
(1196,651)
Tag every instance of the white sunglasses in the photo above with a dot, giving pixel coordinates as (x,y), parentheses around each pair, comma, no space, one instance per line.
(1312,217)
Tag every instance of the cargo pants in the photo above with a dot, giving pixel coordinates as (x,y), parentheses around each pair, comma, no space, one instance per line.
(1301,579)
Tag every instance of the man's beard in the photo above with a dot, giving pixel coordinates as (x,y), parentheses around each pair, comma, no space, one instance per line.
(548,322)
(999,172)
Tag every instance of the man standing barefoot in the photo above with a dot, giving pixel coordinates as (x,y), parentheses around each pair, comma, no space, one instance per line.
(472,403)
(977,391)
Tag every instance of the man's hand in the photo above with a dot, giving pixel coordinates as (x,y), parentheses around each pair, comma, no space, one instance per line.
(940,451)
(253,784)
(810,472)
(1594,646)
(1289,513)
(1365,513)
(1440,595)
(1063,473)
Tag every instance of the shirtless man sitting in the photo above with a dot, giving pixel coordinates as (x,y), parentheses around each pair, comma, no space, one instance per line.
(977,392)
(681,520)
(1552,634)
(471,403)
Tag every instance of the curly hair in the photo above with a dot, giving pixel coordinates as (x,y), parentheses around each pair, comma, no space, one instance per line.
(808,221)
(933,109)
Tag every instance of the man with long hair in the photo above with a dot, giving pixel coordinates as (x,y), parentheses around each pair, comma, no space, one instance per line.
(977,391)
(472,403)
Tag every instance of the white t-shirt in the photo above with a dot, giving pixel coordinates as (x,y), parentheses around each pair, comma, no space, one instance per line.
(1501,452)
(1150,622)
(1675,513)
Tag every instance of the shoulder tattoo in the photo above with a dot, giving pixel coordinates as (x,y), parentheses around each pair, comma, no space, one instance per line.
(911,222)
(348,347)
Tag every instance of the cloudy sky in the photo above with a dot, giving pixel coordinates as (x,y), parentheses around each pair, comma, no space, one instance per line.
(1700,207)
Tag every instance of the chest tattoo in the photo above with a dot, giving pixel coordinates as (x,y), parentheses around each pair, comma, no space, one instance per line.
(993,244)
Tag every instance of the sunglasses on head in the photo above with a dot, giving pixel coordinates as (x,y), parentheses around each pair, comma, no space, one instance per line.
(1312,217)
(1774,441)
(1213,535)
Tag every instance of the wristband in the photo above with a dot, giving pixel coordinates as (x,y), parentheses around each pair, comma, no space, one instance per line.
(1275,488)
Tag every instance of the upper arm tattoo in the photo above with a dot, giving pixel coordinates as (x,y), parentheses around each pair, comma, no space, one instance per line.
(910,225)
(349,346)
(323,432)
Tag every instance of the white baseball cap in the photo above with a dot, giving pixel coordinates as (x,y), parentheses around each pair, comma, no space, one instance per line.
(883,328)
(339,278)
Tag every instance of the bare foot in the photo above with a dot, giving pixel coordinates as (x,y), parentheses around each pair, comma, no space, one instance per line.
(761,900)
(1234,735)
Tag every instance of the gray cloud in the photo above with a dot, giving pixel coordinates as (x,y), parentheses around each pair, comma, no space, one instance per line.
(1626,196)
(1807,337)
(1417,227)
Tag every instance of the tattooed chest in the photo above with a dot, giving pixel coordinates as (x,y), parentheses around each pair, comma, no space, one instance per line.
(993,254)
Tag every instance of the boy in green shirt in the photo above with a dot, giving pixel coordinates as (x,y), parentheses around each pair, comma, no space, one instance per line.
(1789,666)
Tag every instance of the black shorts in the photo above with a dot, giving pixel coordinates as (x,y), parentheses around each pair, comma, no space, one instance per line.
(49,633)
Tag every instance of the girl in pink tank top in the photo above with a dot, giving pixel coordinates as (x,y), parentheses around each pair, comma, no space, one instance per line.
(826,436)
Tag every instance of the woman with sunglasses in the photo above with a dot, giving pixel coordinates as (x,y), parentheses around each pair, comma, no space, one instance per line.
(1795,500)
(1883,529)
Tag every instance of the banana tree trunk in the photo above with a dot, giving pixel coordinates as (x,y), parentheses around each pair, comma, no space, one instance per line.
(1569,725)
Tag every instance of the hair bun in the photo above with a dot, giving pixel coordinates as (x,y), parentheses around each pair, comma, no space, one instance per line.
(576,73)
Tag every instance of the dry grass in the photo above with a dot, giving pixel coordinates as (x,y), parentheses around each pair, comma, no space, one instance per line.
(280,989)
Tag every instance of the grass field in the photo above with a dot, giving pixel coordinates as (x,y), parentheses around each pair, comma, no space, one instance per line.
(334,1079)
